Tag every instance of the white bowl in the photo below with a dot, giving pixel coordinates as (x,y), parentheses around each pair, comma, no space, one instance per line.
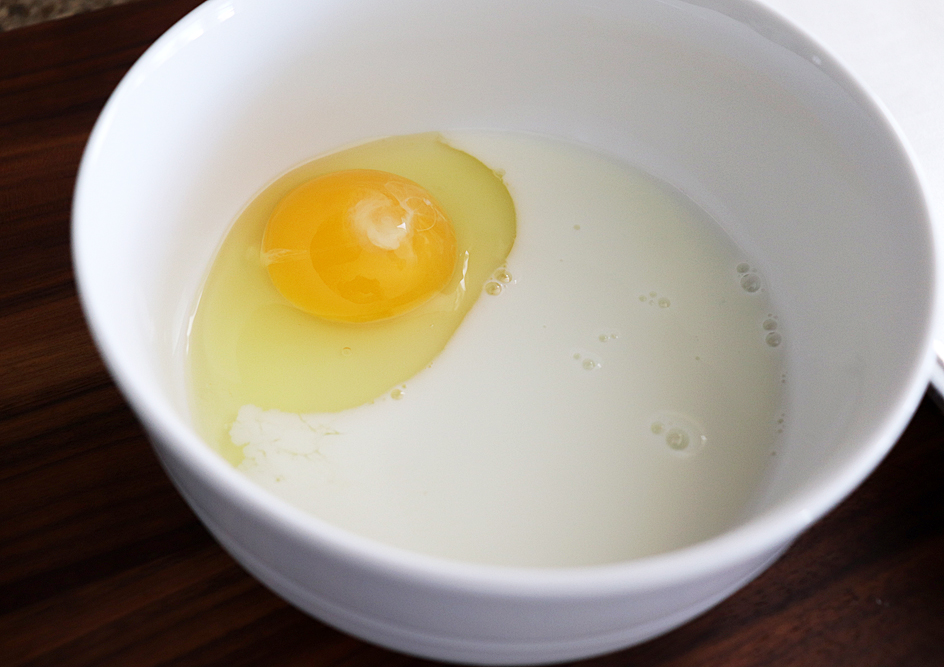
(721,98)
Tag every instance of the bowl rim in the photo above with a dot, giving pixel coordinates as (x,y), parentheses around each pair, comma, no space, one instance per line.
(758,536)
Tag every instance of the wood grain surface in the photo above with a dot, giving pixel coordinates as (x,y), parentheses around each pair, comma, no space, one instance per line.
(102,563)
(18,13)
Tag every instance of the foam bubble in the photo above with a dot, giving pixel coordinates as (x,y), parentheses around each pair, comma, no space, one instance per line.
(677,439)
(587,361)
(677,433)
(750,283)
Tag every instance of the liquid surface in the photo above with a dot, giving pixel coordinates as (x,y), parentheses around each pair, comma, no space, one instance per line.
(615,392)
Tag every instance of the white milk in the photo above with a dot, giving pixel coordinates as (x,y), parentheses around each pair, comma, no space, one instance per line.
(620,396)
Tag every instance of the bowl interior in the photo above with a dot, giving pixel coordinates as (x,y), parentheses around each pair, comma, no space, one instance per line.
(746,117)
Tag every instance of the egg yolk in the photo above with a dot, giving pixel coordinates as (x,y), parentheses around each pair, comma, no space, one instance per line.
(359,245)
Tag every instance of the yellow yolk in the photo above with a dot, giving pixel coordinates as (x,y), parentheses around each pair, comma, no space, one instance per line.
(359,245)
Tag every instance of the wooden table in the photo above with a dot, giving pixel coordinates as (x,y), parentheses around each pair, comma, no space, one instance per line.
(101,563)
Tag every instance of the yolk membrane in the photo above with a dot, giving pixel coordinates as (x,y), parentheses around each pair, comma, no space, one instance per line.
(359,245)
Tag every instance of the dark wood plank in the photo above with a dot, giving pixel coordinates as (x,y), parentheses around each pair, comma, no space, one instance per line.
(101,562)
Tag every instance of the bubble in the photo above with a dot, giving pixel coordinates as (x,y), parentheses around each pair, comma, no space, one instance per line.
(586,360)
(345,351)
(743,268)
(502,276)
(769,325)
(493,288)
(750,283)
(397,394)
(774,339)
(664,303)
(677,439)
(680,434)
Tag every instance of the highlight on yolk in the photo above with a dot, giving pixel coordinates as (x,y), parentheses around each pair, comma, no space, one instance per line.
(359,245)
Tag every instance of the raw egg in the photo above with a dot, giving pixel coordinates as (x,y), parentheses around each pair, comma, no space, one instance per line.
(344,278)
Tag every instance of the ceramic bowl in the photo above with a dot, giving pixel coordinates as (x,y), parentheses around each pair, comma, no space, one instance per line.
(729,103)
